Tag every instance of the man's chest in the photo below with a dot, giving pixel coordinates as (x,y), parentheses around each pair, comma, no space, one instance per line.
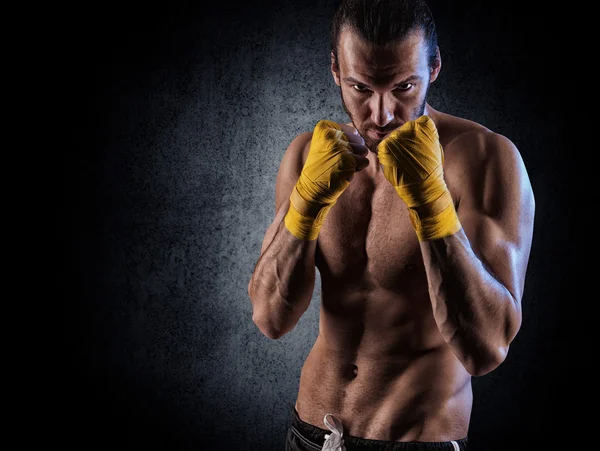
(367,235)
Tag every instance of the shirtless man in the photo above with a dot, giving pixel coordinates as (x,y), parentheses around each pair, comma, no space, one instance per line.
(421,234)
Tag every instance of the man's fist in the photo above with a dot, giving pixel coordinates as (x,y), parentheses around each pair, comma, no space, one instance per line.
(330,164)
(411,153)
(336,153)
(412,159)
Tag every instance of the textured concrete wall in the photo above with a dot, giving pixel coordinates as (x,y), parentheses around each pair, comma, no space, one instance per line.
(186,115)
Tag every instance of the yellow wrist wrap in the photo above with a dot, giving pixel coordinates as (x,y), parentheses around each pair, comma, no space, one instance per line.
(324,177)
(412,159)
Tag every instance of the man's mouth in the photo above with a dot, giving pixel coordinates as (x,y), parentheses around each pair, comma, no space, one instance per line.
(378,135)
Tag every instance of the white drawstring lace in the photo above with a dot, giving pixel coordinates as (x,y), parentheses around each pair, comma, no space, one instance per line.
(334,441)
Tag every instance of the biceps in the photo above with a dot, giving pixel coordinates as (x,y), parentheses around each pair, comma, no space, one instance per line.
(503,256)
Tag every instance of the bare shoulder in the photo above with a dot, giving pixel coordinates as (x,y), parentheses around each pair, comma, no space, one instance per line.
(298,148)
(290,167)
(480,161)
(469,144)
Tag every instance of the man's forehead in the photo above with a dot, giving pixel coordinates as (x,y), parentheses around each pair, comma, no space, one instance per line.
(360,56)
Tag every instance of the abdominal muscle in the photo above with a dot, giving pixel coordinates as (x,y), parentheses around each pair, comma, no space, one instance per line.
(383,369)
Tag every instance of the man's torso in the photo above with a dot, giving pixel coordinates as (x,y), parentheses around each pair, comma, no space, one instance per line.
(379,362)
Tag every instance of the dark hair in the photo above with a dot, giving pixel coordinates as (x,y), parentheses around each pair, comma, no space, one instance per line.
(381,22)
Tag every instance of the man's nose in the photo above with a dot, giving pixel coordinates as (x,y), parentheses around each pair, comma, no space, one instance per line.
(382,109)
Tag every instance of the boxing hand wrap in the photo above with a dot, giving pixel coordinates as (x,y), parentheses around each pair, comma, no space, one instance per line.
(325,175)
(412,159)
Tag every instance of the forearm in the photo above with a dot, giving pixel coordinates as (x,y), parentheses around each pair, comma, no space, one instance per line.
(282,283)
(475,313)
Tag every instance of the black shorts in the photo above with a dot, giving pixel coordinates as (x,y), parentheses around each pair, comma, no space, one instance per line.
(302,436)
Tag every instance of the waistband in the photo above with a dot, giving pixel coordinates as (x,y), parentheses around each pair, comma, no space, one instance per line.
(316,435)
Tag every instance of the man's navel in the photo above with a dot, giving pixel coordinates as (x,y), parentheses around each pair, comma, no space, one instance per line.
(353,371)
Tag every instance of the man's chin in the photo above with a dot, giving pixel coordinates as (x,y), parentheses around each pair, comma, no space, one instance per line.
(372,144)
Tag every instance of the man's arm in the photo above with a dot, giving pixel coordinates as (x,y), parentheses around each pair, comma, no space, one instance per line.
(476,275)
(282,283)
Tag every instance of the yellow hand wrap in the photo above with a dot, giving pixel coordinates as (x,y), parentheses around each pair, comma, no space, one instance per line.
(326,174)
(412,159)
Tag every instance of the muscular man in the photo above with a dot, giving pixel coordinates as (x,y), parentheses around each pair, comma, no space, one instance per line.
(420,224)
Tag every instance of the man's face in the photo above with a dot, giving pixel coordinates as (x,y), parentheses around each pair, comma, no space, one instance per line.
(382,87)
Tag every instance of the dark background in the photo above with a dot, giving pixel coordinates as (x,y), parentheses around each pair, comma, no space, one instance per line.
(180,114)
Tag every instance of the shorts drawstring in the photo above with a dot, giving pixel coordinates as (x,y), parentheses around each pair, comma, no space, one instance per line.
(334,441)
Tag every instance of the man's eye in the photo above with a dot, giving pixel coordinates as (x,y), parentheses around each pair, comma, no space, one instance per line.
(404,86)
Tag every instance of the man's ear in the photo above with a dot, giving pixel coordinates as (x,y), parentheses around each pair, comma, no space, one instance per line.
(335,70)
(437,66)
